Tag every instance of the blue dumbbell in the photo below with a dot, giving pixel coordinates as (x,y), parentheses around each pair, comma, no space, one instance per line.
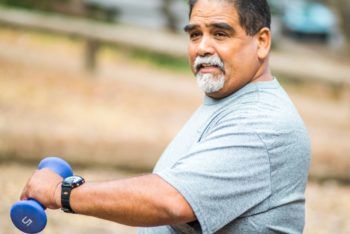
(29,216)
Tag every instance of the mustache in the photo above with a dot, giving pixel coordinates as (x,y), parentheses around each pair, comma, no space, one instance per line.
(213,60)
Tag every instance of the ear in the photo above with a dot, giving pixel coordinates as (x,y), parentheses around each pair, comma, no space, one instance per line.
(263,38)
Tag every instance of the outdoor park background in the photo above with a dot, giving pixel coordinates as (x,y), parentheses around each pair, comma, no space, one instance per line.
(112,116)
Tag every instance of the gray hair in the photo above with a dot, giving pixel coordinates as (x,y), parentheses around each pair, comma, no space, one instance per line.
(253,14)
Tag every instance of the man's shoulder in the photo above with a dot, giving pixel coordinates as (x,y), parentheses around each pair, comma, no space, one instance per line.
(266,104)
(271,115)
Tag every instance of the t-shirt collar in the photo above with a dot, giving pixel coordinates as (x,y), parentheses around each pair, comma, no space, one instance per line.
(208,101)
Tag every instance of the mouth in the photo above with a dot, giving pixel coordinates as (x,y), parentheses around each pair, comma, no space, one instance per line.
(208,68)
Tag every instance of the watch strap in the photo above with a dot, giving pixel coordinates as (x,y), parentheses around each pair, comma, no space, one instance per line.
(65,197)
(68,185)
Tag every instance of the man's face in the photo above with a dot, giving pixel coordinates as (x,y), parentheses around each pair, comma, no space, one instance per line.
(223,57)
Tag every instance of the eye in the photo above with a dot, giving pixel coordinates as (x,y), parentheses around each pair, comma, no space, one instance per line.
(195,35)
(220,35)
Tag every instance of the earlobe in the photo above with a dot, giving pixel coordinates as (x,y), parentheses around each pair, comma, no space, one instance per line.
(264,42)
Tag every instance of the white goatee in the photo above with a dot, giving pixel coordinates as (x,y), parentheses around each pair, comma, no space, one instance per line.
(207,82)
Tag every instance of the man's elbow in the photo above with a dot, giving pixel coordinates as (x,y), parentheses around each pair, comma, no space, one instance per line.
(180,211)
(175,208)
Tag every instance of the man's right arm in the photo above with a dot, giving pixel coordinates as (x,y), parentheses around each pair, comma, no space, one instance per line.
(140,201)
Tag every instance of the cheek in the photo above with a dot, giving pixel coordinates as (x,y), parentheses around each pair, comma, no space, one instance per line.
(191,62)
(228,55)
(191,56)
(239,60)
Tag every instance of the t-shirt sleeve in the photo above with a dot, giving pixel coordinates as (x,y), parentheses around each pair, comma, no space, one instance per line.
(223,175)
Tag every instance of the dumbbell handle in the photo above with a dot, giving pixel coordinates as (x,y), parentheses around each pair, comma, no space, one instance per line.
(29,215)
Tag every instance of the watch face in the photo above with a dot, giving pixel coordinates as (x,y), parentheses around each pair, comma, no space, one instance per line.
(73,180)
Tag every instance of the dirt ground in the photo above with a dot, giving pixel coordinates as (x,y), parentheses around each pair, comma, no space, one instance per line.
(123,116)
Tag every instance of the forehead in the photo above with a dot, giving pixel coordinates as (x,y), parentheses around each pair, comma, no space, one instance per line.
(208,11)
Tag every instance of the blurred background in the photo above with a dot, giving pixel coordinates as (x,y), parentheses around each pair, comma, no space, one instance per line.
(106,85)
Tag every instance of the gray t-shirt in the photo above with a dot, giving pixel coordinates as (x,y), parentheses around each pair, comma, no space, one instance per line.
(241,163)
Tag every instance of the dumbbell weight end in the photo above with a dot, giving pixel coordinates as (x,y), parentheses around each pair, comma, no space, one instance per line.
(29,215)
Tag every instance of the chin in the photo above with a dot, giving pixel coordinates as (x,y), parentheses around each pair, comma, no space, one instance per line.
(216,95)
(209,83)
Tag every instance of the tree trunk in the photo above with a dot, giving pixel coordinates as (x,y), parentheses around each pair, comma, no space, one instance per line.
(170,17)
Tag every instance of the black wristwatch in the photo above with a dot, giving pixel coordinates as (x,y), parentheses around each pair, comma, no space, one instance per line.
(68,184)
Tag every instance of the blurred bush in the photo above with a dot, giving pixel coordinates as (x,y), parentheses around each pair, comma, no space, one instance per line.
(79,8)
(46,5)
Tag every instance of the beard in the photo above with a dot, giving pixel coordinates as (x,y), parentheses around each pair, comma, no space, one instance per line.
(210,83)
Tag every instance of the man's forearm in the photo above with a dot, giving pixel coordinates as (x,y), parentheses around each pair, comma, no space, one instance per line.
(140,201)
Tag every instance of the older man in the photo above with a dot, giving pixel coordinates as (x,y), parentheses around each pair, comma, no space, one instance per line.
(239,165)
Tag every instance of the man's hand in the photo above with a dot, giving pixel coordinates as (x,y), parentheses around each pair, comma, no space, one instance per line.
(45,187)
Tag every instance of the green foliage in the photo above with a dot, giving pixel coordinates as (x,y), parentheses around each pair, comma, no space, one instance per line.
(67,7)
(45,5)
(161,60)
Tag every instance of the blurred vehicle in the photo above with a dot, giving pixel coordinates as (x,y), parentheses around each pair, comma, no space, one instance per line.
(308,19)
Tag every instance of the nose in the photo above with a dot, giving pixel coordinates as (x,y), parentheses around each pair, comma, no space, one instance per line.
(205,47)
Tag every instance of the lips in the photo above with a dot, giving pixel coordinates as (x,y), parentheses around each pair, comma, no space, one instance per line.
(208,68)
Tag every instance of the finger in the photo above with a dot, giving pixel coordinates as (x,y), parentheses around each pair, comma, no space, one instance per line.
(23,196)
(25,191)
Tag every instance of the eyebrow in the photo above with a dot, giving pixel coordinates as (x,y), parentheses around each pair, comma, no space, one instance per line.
(224,26)
(190,27)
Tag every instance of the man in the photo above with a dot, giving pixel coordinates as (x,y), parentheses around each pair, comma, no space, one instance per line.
(239,165)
